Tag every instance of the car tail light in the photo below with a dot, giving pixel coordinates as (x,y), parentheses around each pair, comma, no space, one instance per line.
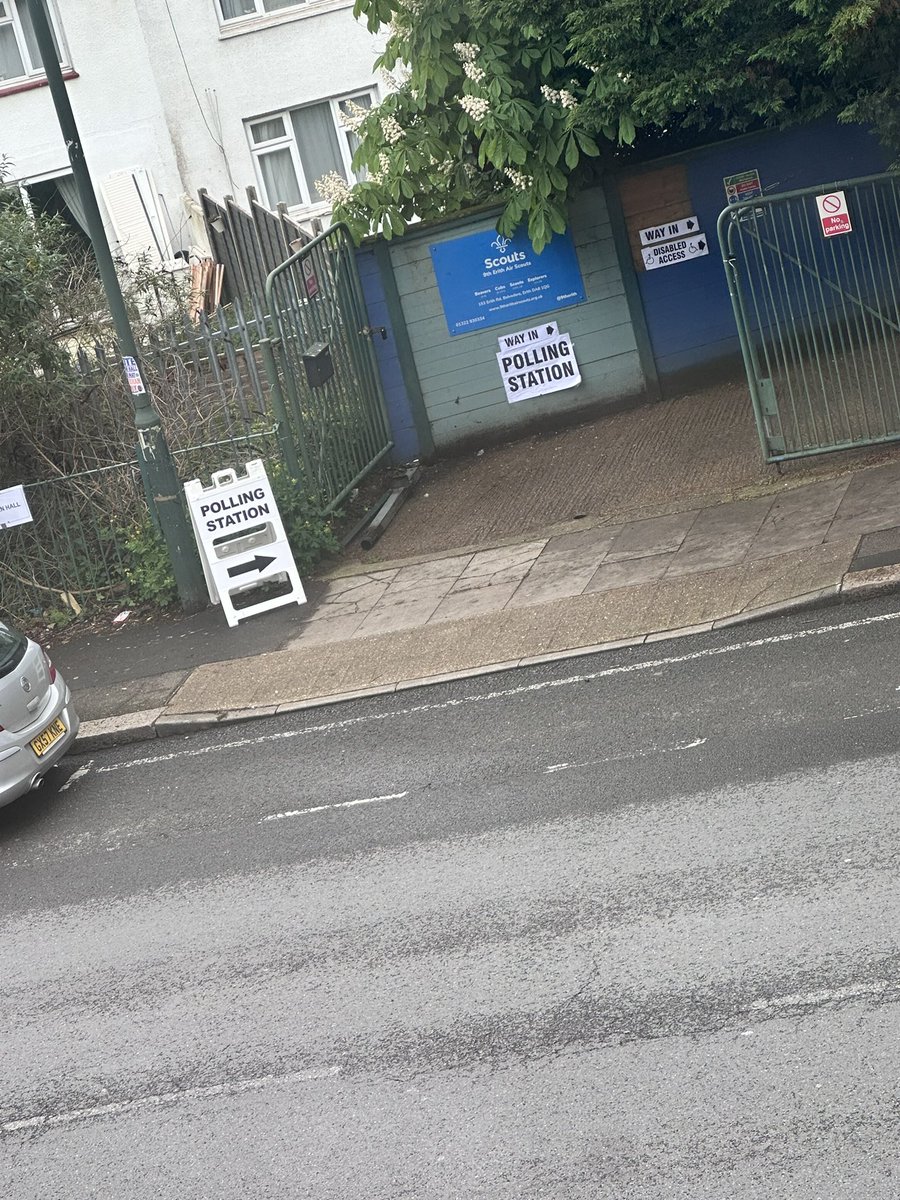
(50,667)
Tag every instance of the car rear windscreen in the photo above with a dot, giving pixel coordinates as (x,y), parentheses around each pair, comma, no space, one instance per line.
(12,649)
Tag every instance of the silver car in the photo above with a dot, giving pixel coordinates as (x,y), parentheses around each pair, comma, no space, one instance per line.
(38,723)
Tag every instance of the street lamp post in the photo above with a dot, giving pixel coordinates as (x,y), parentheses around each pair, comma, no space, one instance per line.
(158,470)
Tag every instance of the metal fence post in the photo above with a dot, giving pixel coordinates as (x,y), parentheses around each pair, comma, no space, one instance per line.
(276,396)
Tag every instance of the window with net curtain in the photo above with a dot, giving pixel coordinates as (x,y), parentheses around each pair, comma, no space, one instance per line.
(19,53)
(296,148)
(232,9)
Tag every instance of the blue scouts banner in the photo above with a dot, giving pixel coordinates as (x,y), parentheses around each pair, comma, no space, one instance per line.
(487,279)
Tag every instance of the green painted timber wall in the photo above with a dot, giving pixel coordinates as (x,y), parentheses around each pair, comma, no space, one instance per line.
(460,380)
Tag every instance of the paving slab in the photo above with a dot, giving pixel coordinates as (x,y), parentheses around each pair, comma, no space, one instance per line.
(499,578)
(799,518)
(628,571)
(872,501)
(779,578)
(333,629)
(720,536)
(417,609)
(348,587)
(339,600)
(580,548)
(471,601)
(421,576)
(552,580)
(504,559)
(695,599)
(655,535)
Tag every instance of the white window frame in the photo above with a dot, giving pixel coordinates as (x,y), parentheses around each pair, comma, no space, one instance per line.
(259,18)
(261,11)
(9,16)
(289,141)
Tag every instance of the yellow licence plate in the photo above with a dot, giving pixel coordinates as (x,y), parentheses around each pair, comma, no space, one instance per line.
(42,743)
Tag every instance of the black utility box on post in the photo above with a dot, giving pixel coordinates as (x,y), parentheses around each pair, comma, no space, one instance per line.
(318,363)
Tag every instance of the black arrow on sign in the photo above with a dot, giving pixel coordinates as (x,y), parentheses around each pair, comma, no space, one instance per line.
(690,224)
(257,563)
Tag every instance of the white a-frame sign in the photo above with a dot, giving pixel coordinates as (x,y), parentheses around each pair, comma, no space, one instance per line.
(242,542)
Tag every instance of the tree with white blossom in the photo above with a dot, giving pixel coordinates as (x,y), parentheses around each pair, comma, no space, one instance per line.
(475,113)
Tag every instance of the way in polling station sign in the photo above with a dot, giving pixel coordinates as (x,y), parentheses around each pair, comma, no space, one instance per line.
(536,361)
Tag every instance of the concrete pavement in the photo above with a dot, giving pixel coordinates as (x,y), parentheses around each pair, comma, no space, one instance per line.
(579,587)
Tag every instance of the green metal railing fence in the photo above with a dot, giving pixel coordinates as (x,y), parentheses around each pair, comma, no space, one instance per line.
(818,317)
(231,387)
(73,555)
(338,427)
(202,372)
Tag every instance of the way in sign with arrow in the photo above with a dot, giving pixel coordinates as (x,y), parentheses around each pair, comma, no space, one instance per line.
(256,564)
(672,229)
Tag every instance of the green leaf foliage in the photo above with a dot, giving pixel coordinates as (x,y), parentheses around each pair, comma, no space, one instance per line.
(730,65)
(515,101)
(149,570)
(36,372)
(488,113)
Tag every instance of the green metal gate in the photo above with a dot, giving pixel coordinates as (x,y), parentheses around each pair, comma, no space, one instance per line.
(326,390)
(818,317)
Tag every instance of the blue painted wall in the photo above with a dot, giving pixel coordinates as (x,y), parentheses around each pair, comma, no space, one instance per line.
(400,418)
(687,306)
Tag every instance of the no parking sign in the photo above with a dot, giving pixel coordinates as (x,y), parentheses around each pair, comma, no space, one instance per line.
(833,214)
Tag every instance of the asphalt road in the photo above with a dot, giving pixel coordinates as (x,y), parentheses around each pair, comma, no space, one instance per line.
(624,926)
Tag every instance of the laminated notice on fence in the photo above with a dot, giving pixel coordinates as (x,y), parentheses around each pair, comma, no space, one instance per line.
(537,364)
(14,508)
(246,558)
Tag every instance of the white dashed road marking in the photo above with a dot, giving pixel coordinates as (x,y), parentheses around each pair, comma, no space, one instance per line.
(318,808)
(647,752)
(78,774)
(158,1099)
